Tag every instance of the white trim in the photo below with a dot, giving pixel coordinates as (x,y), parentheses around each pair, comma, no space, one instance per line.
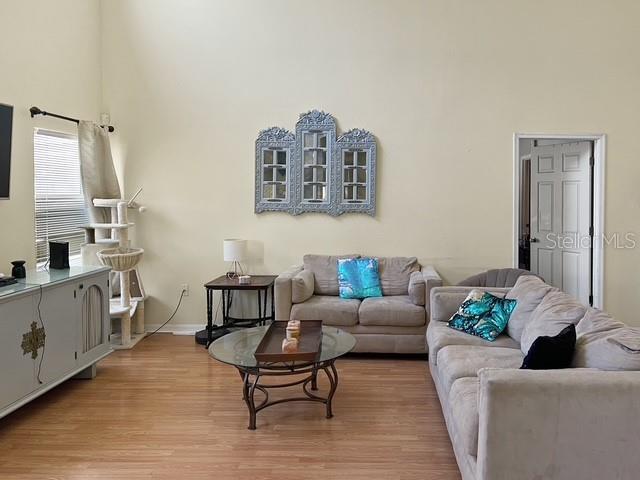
(599,154)
(176,329)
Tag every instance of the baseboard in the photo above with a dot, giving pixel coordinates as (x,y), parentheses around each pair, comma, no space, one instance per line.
(177,329)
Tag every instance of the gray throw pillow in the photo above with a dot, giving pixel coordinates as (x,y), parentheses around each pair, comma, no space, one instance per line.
(395,273)
(529,291)
(302,286)
(606,343)
(556,311)
(325,272)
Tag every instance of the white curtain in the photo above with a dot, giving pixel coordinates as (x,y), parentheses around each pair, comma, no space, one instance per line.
(96,169)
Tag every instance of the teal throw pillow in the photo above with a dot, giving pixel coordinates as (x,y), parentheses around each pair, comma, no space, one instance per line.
(483,315)
(358,278)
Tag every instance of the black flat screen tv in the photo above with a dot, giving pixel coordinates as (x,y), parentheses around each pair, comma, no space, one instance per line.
(6,125)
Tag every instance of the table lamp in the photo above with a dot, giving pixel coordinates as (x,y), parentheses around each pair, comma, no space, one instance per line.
(234,251)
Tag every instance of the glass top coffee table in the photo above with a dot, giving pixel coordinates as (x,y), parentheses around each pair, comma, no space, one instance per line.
(238,348)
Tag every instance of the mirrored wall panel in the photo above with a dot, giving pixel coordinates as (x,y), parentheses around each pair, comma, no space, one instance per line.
(356,150)
(314,170)
(274,152)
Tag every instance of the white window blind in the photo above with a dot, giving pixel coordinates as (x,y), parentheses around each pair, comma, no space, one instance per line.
(60,208)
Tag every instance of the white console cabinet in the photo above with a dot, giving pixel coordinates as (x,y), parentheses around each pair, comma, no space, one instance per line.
(53,325)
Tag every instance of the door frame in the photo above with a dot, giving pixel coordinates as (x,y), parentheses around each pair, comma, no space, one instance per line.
(599,157)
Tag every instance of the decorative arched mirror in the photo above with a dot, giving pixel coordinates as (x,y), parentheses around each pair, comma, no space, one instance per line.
(314,170)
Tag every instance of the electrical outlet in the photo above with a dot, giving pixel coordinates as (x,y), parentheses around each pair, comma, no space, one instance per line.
(185,289)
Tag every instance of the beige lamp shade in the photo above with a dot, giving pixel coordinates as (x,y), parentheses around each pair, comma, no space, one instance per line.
(234,249)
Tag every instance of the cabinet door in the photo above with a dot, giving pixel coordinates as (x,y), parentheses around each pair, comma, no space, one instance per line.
(59,316)
(17,375)
(93,318)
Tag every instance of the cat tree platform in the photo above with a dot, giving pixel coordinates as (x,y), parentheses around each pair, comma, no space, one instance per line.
(130,318)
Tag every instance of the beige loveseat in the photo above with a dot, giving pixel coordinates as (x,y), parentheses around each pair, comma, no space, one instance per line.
(393,323)
(511,424)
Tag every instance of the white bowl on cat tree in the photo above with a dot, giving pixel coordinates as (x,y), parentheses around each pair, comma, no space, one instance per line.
(122,260)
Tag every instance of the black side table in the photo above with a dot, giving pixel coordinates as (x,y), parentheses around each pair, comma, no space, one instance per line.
(263,284)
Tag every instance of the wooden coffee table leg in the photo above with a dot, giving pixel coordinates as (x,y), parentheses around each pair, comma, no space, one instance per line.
(251,389)
(332,374)
(244,383)
(248,389)
(314,379)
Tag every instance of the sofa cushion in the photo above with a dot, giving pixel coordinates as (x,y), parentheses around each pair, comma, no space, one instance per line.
(325,272)
(529,291)
(417,288)
(395,273)
(459,361)
(463,403)
(497,277)
(606,343)
(556,311)
(302,286)
(439,335)
(397,310)
(331,310)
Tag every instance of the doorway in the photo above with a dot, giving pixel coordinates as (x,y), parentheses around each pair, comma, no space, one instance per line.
(559,210)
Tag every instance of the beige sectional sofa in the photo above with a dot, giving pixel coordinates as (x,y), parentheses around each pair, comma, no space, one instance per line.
(393,323)
(511,424)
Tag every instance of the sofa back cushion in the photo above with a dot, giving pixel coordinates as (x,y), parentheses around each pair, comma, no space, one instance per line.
(556,311)
(395,273)
(606,343)
(497,277)
(325,272)
(529,291)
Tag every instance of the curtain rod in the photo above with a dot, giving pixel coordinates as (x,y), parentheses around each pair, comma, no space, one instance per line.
(36,111)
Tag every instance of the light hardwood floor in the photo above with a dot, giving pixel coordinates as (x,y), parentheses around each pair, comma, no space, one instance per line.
(166,410)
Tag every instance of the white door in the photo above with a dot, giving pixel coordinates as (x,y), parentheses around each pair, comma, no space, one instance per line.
(561,216)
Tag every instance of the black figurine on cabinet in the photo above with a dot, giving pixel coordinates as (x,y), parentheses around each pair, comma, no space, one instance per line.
(18,270)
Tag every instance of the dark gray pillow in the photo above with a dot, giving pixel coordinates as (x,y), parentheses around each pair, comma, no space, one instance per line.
(550,353)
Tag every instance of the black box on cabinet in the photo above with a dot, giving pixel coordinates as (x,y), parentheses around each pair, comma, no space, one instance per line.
(59,255)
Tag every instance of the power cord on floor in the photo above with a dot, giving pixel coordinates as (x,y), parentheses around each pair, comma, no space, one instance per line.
(182,294)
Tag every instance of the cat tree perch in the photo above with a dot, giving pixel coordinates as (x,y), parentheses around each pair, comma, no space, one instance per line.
(114,250)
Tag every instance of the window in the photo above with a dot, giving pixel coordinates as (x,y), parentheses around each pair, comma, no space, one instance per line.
(60,208)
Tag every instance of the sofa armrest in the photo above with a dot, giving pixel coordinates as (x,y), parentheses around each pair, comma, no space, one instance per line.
(445,301)
(432,280)
(417,289)
(560,424)
(282,292)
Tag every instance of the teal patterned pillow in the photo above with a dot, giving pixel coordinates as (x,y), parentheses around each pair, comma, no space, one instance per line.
(358,278)
(483,315)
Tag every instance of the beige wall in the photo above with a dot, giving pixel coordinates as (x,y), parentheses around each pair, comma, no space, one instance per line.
(443,84)
(49,57)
